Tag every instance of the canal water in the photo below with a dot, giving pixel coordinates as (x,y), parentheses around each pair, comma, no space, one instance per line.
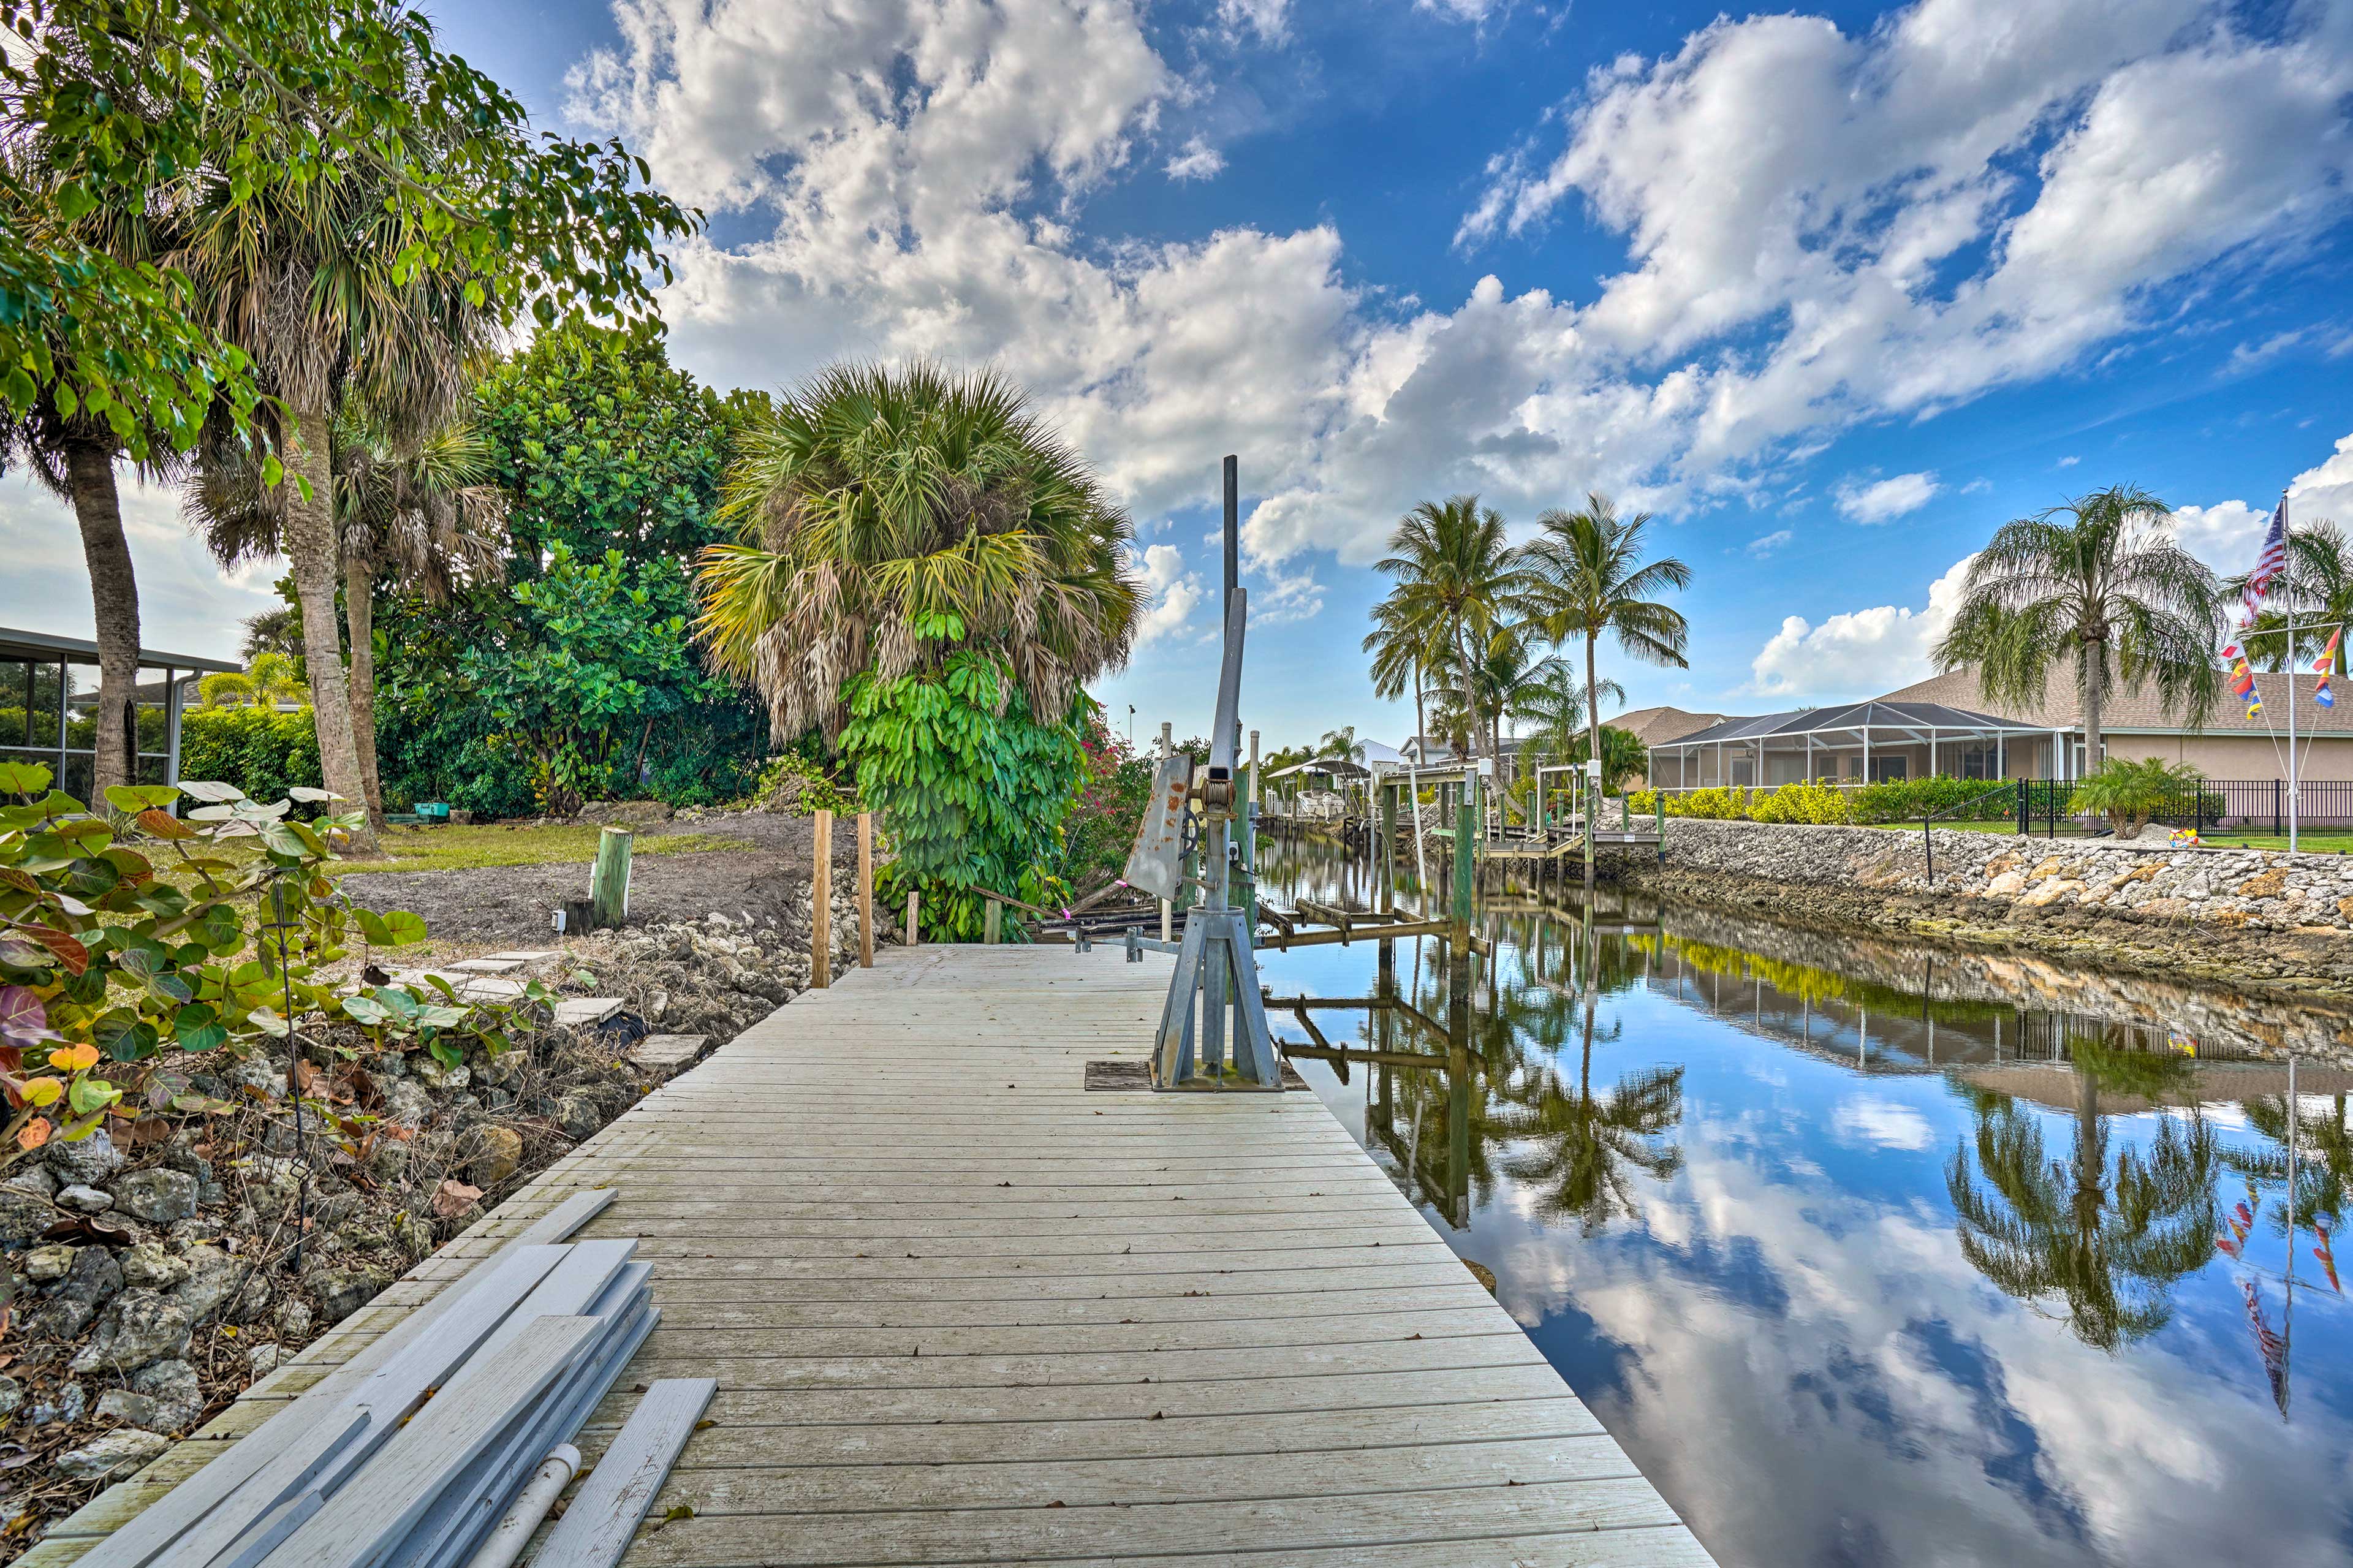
(1871,1254)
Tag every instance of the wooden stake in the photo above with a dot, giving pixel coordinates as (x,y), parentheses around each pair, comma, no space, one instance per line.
(992,922)
(866,889)
(821,905)
(609,882)
(914,906)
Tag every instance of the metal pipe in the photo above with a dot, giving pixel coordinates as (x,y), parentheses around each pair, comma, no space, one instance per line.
(514,1532)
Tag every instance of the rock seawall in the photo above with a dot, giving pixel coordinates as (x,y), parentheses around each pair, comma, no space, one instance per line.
(2246,918)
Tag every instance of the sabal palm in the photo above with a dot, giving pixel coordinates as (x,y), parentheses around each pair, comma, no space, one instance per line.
(893,516)
(1593,582)
(1403,655)
(1456,581)
(2097,583)
(313,281)
(2317,587)
(2106,1242)
(427,518)
(1556,706)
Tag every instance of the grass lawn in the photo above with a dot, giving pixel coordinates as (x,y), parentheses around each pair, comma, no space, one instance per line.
(2317,841)
(463,849)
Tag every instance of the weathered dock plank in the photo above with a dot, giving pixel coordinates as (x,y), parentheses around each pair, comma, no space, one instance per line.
(959,1309)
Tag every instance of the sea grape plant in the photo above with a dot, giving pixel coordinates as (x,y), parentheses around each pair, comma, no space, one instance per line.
(129,931)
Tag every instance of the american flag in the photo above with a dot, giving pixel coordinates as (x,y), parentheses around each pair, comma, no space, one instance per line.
(2268,565)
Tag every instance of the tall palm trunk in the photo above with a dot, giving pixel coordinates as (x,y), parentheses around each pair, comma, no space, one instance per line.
(1592,701)
(2092,695)
(114,598)
(359,612)
(309,538)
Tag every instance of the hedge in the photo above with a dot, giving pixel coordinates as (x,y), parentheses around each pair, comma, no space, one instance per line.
(1894,800)
(261,751)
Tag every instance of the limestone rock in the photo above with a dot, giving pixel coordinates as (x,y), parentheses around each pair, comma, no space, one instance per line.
(141,1326)
(89,1283)
(293,1318)
(12,1399)
(24,1216)
(212,1278)
(157,1196)
(85,1200)
(264,1359)
(112,1456)
(147,1266)
(492,1154)
(86,1161)
(69,1407)
(47,1265)
(341,1292)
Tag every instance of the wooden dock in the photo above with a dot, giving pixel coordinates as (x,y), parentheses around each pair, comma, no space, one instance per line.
(963,1311)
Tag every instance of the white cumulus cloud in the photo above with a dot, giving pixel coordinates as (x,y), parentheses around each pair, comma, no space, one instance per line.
(1858,653)
(1197,160)
(1173,592)
(1886,499)
(1761,548)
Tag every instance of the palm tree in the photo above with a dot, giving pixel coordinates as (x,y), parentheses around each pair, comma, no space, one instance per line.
(1457,580)
(1556,706)
(426,518)
(1402,654)
(1341,743)
(313,281)
(2107,1241)
(268,680)
(1595,582)
(2318,586)
(892,516)
(2097,583)
(2323,1163)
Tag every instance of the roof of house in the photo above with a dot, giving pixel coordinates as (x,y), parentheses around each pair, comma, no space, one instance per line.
(1653,725)
(2137,708)
(48,648)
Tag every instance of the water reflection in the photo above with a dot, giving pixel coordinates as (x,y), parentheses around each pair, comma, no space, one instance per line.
(1870,1253)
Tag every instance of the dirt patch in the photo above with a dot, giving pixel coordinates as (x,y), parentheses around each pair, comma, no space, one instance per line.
(516,904)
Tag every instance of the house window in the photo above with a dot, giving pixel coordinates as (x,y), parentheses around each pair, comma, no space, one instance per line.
(1979,764)
(1884,770)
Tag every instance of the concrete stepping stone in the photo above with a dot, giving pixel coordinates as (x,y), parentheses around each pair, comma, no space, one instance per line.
(524,955)
(577,1012)
(667,1056)
(488,965)
(489,988)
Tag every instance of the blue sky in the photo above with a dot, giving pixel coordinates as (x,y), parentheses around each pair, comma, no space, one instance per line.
(1833,293)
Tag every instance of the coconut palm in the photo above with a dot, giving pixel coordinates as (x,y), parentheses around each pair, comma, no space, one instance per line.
(1456,581)
(1593,582)
(892,516)
(2323,1159)
(1341,743)
(2106,1240)
(2317,587)
(1403,655)
(2097,583)
(313,282)
(1556,706)
(428,519)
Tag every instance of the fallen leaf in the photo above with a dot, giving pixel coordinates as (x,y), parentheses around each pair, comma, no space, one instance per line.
(34,1133)
(454,1197)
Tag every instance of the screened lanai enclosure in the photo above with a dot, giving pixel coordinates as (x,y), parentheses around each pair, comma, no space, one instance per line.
(1860,742)
(48,707)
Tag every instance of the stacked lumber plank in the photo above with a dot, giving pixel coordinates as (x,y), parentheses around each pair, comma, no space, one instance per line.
(408,1456)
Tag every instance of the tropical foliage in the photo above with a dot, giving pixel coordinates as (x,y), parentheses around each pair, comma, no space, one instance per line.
(268,680)
(2099,586)
(1456,583)
(1893,800)
(1591,582)
(972,790)
(2128,793)
(262,751)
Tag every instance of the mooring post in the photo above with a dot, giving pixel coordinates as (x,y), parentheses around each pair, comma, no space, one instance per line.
(992,922)
(821,906)
(865,890)
(1466,857)
(915,906)
(609,882)
(1388,846)
(1592,823)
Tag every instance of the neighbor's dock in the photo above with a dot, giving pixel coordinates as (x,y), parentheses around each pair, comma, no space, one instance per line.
(963,1311)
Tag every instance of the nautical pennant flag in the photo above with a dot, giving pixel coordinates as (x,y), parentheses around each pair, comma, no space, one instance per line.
(2270,1344)
(2242,682)
(2268,565)
(2328,659)
(2324,1250)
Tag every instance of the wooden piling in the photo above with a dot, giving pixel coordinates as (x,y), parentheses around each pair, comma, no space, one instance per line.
(865,890)
(609,882)
(992,922)
(821,905)
(915,908)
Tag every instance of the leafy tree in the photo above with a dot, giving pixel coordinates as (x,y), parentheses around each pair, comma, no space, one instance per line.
(1341,743)
(2106,1240)
(601,657)
(2099,584)
(1556,706)
(594,442)
(1593,582)
(1623,757)
(1456,582)
(267,680)
(1403,655)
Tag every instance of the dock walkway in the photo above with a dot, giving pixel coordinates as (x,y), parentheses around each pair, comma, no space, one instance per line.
(963,1311)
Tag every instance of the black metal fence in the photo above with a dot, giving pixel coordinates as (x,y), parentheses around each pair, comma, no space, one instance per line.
(2244,806)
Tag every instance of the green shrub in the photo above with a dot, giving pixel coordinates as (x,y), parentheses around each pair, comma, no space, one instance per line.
(809,790)
(2129,792)
(260,750)
(1812,802)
